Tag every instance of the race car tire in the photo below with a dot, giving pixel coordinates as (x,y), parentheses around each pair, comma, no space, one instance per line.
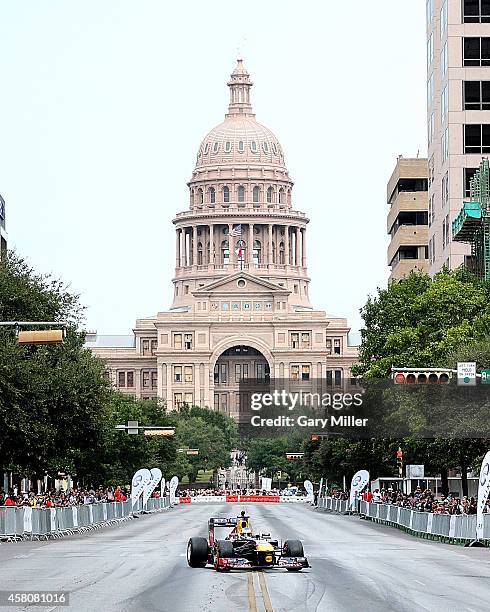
(293,548)
(197,552)
(224,549)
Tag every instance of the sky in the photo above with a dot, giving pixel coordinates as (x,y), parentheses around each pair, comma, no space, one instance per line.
(103,106)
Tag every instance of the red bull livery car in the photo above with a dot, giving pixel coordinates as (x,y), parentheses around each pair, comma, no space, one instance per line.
(241,549)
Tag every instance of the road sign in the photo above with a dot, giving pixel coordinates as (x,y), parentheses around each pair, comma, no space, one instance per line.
(133,427)
(485,377)
(467,373)
(164,433)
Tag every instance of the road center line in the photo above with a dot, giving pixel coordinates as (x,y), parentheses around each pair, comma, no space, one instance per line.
(252,603)
(265,593)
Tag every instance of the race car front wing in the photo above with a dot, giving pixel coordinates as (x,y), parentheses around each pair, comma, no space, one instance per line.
(242,563)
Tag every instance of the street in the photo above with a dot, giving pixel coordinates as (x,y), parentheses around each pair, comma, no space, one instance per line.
(356,565)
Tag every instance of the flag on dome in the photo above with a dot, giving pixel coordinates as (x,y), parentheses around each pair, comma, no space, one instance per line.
(236,231)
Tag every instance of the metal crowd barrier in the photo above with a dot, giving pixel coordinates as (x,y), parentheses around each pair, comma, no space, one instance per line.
(24,522)
(445,526)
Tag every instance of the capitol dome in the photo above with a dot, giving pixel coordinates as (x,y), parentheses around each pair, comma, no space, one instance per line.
(240,139)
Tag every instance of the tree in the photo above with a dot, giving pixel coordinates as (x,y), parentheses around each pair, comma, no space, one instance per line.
(53,399)
(418,321)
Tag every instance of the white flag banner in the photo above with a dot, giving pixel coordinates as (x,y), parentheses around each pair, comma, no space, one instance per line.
(140,480)
(174,483)
(483,491)
(156,476)
(266,484)
(320,488)
(359,481)
(308,485)
(162,487)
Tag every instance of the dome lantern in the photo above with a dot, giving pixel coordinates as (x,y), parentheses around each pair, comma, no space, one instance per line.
(240,85)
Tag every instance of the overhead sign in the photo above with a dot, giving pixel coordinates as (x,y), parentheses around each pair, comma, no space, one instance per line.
(485,377)
(415,471)
(467,373)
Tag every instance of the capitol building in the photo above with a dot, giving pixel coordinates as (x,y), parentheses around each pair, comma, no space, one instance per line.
(241,306)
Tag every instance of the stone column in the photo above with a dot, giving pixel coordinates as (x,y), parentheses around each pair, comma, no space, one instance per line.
(177,248)
(211,245)
(286,245)
(183,256)
(269,245)
(231,246)
(194,245)
(304,248)
(300,246)
(250,248)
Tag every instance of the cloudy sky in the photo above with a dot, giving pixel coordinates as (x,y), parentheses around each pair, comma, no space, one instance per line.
(103,106)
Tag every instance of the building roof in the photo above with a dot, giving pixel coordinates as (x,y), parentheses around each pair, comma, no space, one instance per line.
(240,138)
(110,341)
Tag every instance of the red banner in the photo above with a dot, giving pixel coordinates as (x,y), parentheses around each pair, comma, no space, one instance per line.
(184,500)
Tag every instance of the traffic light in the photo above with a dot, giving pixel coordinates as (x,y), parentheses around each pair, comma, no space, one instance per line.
(399,460)
(44,336)
(294,456)
(419,376)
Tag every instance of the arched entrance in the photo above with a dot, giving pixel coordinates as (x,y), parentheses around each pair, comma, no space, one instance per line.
(235,363)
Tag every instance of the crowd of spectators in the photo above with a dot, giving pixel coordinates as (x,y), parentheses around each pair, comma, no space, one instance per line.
(421,500)
(233,491)
(61,498)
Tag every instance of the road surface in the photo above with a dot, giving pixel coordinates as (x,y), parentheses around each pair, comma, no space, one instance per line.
(356,566)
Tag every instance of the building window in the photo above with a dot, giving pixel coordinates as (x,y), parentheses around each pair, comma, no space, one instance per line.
(188,375)
(445,145)
(428,9)
(256,192)
(445,189)
(444,60)
(443,18)
(430,91)
(281,196)
(253,146)
(146,379)
(265,147)
(476,11)
(216,147)
(145,345)
(241,193)
(188,342)
(444,104)
(329,378)
(305,372)
(430,50)
(476,95)
(270,192)
(154,345)
(445,232)
(305,340)
(177,373)
(226,194)
(295,372)
(337,347)
(238,372)
(178,341)
(468,174)
(177,400)
(224,402)
(431,127)
(329,346)
(477,138)
(154,379)
(188,399)
(295,340)
(337,378)
(241,146)
(227,146)
(431,209)
(212,195)
(476,51)
(216,402)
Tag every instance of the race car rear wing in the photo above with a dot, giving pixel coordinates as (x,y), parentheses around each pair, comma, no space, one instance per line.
(221,521)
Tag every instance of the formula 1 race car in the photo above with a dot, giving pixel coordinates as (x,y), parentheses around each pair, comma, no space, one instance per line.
(241,549)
